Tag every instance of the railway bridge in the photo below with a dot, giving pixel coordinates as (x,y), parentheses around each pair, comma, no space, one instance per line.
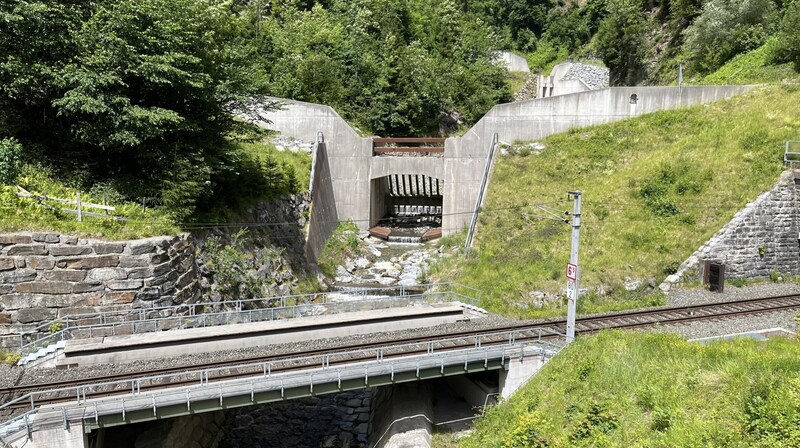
(72,415)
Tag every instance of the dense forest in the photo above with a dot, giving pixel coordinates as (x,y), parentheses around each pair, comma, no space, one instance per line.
(140,96)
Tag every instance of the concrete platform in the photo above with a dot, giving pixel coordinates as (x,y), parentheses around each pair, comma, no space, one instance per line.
(121,349)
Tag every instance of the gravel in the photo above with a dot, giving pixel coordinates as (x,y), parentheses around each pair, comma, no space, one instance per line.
(691,296)
(699,296)
(784,319)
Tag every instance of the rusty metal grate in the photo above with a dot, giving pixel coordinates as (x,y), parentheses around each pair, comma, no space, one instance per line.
(410,146)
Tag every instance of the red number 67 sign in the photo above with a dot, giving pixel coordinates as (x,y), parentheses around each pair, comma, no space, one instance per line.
(572,271)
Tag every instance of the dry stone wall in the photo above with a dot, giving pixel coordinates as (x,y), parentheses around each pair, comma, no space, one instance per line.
(760,241)
(44,276)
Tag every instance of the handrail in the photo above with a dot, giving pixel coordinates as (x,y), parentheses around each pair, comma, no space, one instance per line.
(320,141)
(481,191)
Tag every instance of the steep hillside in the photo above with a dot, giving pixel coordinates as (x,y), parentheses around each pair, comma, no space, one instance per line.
(654,189)
(627,389)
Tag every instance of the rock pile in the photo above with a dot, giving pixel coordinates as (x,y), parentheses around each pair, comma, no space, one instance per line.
(382,268)
(528,91)
(594,76)
(289,144)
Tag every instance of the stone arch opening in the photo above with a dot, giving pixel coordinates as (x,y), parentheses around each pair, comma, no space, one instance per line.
(406,207)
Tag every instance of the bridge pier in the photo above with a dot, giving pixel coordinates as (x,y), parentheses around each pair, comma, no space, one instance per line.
(73,437)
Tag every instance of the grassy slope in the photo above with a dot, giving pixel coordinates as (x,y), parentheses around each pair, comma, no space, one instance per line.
(647,390)
(751,68)
(19,214)
(709,161)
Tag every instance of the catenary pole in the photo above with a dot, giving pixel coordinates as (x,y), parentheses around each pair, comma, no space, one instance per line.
(573,269)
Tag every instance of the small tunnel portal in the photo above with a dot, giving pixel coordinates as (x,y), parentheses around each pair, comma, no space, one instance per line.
(406,208)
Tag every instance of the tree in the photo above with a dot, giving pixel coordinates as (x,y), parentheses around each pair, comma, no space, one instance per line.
(726,28)
(788,42)
(140,91)
(620,42)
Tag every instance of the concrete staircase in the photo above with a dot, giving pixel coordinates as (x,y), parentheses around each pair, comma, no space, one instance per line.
(42,352)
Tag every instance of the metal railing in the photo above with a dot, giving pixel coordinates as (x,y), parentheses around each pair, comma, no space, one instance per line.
(792,152)
(487,170)
(145,320)
(206,387)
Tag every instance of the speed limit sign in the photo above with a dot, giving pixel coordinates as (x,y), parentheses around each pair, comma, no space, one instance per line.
(572,271)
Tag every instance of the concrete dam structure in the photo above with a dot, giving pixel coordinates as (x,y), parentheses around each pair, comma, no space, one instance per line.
(351,178)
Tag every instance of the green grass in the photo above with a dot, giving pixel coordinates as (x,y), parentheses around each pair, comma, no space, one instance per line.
(343,243)
(751,68)
(143,219)
(655,188)
(517,80)
(654,390)
(300,161)
(25,214)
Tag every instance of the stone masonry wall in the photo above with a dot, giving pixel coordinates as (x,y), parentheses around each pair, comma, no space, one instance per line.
(760,241)
(46,275)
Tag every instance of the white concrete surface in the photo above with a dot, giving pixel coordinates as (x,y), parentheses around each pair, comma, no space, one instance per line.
(230,337)
(352,166)
(57,437)
(520,370)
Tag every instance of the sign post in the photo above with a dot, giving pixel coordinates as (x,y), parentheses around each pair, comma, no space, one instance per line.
(573,271)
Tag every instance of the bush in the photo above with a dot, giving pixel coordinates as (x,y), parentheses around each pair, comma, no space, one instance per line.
(726,28)
(10,154)
(773,412)
(788,42)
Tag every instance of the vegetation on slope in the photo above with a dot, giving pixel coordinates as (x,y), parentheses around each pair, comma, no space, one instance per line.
(633,389)
(263,172)
(655,188)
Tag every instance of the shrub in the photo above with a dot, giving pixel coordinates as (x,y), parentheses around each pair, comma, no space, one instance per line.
(10,155)
(531,431)
(726,28)
(788,42)
(773,412)
(232,267)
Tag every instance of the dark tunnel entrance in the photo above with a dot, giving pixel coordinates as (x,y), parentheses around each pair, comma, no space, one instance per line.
(406,208)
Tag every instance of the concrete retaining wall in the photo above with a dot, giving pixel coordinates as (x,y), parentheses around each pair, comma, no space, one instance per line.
(760,240)
(46,275)
(538,118)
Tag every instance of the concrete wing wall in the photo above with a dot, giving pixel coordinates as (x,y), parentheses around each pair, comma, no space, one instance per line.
(535,119)
(347,153)
(323,219)
(514,62)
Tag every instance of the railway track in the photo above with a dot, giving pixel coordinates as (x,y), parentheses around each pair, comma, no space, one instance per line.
(542,331)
